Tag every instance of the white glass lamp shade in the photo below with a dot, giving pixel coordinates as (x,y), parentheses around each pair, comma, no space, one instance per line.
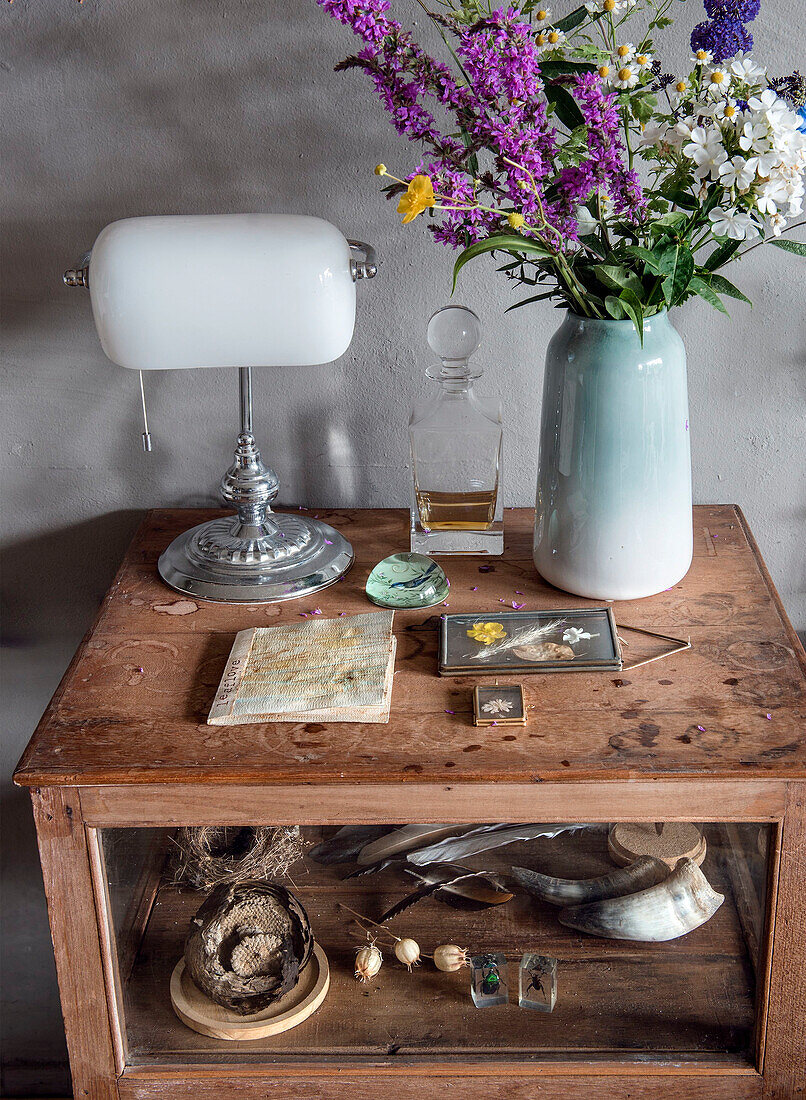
(222,290)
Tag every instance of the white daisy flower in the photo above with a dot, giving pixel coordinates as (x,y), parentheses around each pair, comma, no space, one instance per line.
(624,54)
(702,57)
(745,69)
(727,110)
(716,81)
(625,77)
(643,60)
(736,224)
(541,18)
(602,7)
(735,173)
(549,40)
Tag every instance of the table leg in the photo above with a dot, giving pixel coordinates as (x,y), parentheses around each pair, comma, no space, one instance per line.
(73,928)
(785,1058)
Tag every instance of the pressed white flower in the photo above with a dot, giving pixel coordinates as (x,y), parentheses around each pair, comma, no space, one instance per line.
(716,82)
(497,706)
(624,53)
(702,57)
(735,173)
(736,224)
(625,77)
(643,60)
(573,635)
(541,18)
(745,69)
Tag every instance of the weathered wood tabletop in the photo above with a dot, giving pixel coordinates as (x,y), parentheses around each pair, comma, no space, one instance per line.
(133,704)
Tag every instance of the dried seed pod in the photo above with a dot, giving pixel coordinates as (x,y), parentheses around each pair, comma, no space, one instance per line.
(448,957)
(368,962)
(408,952)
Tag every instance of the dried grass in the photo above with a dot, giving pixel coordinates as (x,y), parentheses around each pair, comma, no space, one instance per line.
(209,855)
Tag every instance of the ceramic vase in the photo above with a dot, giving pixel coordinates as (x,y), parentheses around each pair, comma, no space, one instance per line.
(613,517)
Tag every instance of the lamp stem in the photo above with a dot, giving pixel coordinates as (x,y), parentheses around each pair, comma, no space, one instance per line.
(245,379)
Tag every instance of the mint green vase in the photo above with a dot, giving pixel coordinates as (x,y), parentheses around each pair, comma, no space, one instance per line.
(613,516)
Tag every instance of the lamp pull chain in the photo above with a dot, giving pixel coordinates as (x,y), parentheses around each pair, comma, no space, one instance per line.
(146,432)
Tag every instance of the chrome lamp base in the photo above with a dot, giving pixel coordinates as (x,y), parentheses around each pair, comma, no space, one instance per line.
(255,556)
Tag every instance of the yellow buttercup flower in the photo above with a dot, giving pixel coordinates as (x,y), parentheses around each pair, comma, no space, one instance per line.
(380,169)
(516,220)
(486,633)
(418,197)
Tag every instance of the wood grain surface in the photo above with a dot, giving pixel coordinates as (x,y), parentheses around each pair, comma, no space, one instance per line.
(132,706)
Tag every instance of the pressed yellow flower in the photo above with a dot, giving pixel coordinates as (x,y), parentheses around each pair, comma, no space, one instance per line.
(604,70)
(516,220)
(486,633)
(380,169)
(418,197)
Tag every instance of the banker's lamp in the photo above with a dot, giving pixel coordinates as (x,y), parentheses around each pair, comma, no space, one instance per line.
(232,290)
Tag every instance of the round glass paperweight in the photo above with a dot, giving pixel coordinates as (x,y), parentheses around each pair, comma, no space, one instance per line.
(407,581)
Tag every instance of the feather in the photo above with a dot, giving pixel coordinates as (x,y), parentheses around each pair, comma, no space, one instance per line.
(404,839)
(429,889)
(484,838)
(473,893)
(345,844)
(527,636)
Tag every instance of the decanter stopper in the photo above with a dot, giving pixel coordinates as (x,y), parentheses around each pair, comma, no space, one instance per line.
(454,334)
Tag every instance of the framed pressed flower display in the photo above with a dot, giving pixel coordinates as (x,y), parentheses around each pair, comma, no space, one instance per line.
(575,640)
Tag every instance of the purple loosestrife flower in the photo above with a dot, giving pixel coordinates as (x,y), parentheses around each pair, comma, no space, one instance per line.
(604,169)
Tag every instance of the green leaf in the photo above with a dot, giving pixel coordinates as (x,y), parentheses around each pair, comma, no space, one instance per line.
(631,304)
(572,21)
(616,277)
(791,246)
(565,106)
(699,286)
(724,286)
(549,69)
(503,242)
(675,219)
(677,264)
(721,255)
(649,258)
(642,108)
(615,308)
(528,301)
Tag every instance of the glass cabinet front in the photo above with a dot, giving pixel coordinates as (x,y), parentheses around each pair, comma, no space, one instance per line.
(509,942)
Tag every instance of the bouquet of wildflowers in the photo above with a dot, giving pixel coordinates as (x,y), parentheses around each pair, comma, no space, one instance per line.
(561,145)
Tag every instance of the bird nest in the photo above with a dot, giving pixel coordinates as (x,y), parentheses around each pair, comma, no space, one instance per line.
(209,855)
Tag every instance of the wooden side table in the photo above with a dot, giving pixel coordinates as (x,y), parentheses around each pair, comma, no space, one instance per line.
(716,736)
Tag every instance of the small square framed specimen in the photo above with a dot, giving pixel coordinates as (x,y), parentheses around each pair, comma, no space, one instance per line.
(502,705)
(581,639)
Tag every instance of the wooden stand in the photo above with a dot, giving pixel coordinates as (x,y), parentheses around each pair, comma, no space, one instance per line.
(668,842)
(123,756)
(207,1018)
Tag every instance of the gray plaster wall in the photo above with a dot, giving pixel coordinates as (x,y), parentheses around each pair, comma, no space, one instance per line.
(113,109)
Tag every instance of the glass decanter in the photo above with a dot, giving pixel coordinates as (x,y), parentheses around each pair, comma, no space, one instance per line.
(456,449)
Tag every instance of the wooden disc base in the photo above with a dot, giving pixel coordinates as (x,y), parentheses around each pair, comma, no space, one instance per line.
(201,1014)
(629,840)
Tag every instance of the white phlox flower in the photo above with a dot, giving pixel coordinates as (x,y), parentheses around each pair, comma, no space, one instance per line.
(735,224)
(743,68)
(735,173)
(706,150)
